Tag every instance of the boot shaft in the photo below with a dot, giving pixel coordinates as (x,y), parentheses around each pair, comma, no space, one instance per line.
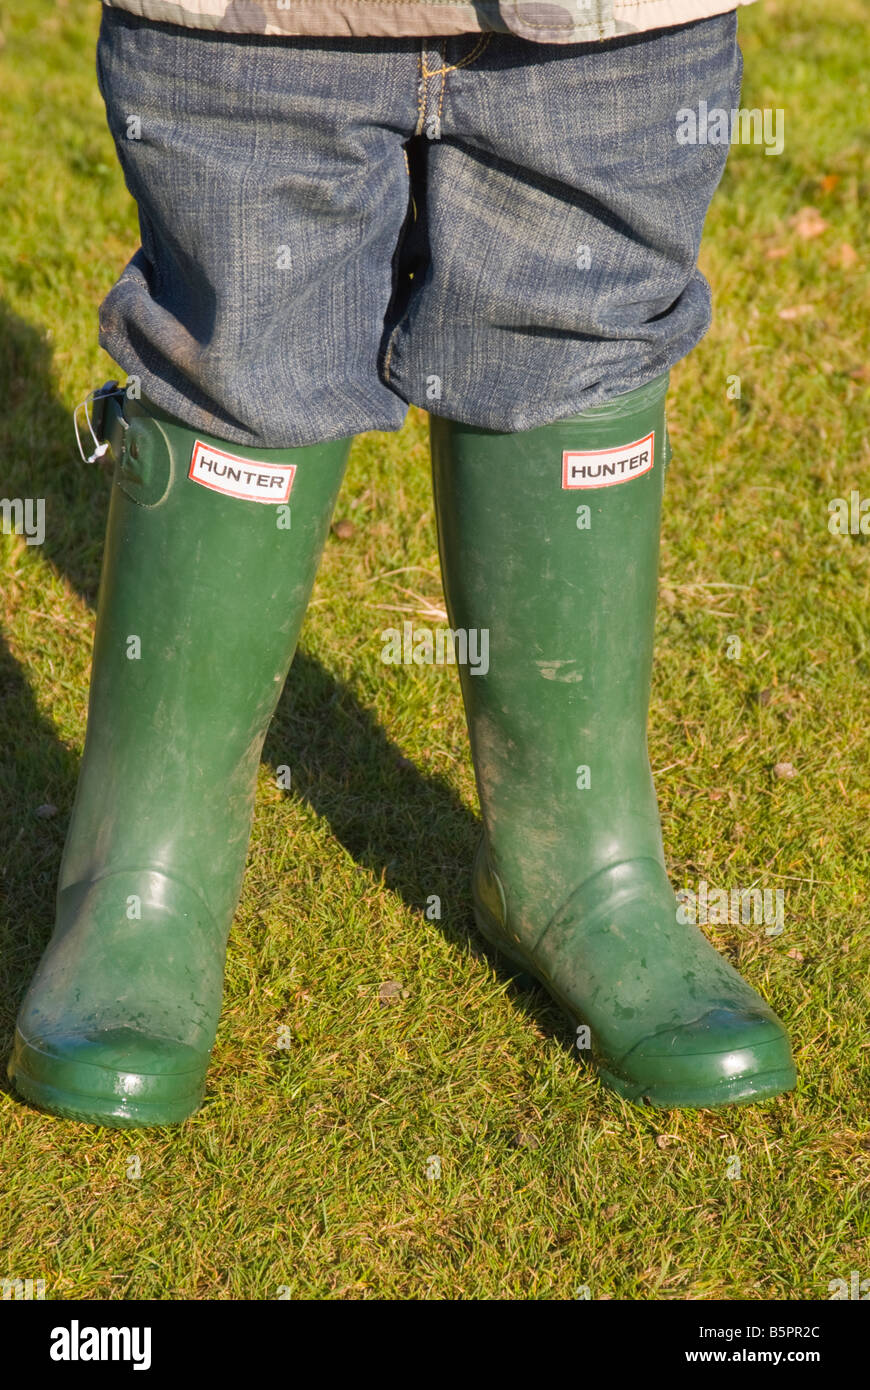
(202,598)
(550,540)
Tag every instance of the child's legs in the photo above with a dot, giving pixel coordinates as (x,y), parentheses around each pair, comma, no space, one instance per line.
(556,254)
(272,187)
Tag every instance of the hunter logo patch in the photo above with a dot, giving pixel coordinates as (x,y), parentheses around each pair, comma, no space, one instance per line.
(605,467)
(250,479)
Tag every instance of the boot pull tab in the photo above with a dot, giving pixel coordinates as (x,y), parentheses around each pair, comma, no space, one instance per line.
(129,441)
(102,411)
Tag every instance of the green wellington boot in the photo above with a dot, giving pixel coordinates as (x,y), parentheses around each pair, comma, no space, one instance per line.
(211,553)
(549,539)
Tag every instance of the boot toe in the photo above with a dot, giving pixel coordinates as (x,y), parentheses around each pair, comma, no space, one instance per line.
(726,1057)
(118,1077)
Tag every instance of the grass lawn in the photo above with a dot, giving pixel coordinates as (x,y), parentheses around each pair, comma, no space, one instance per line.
(308,1170)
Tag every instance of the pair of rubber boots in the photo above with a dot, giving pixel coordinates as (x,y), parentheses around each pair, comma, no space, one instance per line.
(549,543)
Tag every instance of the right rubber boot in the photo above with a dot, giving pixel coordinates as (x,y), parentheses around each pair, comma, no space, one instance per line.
(211,554)
(570,882)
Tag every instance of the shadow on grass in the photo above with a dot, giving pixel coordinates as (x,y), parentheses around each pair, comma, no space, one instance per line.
(408,828)
(38,459)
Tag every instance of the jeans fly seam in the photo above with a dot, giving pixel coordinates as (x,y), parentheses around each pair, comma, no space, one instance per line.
(469,58)
(421,89)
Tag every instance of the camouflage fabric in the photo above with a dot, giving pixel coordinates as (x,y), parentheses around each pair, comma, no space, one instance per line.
(543,21)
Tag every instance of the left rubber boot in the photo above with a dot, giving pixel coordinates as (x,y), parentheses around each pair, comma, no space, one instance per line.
(211,553)
(549,541)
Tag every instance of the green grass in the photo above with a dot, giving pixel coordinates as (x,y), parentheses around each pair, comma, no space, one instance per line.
(307,1166)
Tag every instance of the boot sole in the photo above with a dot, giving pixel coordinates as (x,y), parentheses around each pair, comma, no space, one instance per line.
(181,1095)
(663,1095)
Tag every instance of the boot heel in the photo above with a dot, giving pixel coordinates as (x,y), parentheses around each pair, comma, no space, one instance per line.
(521,974)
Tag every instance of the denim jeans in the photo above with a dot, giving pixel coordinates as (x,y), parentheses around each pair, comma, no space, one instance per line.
(501,232)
